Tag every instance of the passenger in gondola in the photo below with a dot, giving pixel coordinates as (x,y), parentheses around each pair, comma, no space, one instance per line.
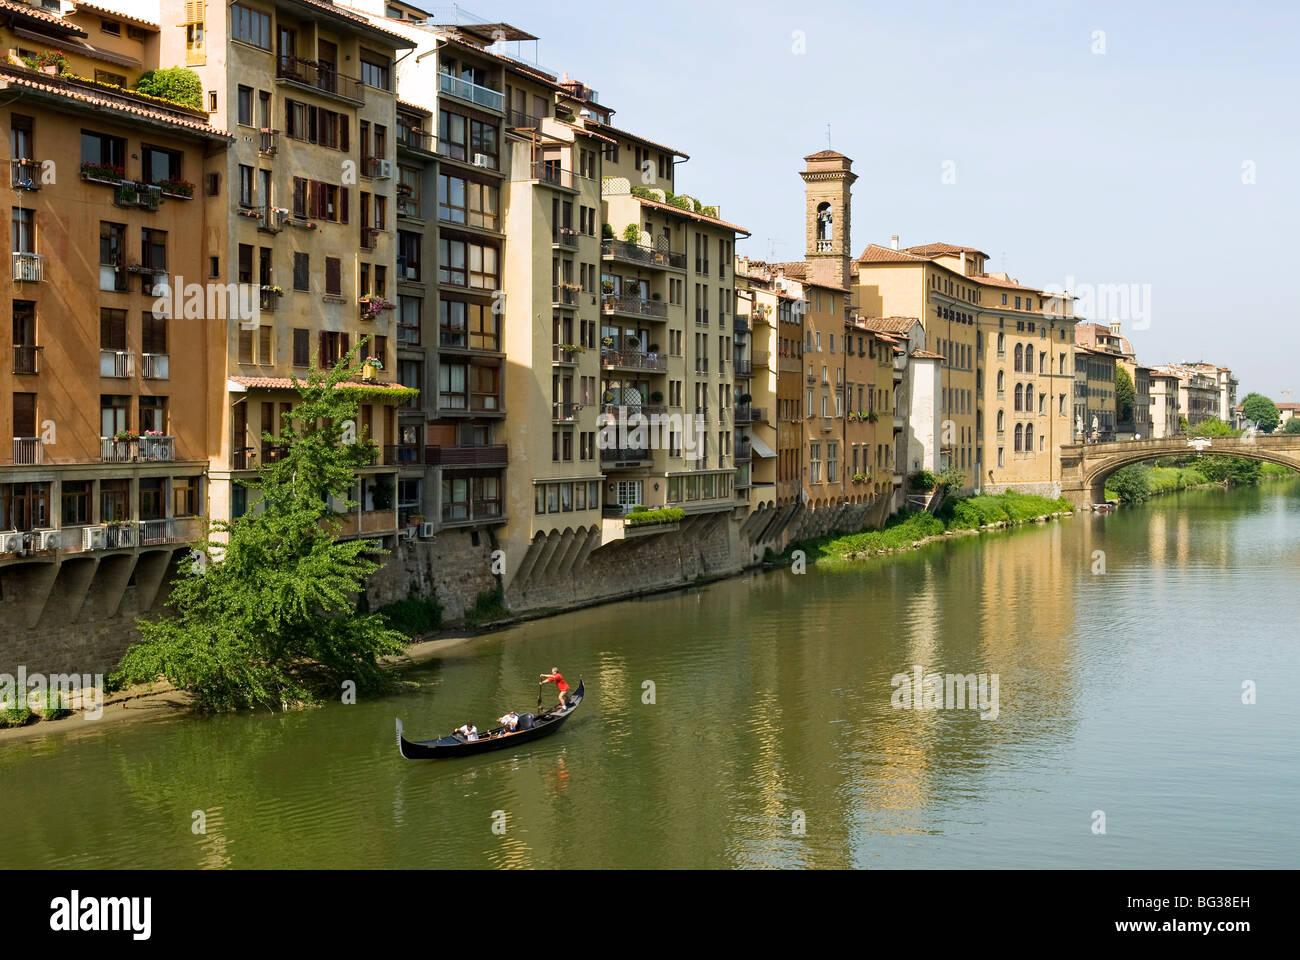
(509,722)
(468,731)
(560,684)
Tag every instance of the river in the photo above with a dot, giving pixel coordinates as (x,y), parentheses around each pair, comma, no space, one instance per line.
(771,740)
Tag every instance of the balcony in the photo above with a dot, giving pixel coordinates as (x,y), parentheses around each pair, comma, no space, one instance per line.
(744,413)
(25,173)
(565,353)
(565,237)
(271,219)
(630,360)
(28,268)
(470,92)
(403,454)
(26,360)
(145,196)
(744,453)
(155,366)
(268,142)
(472,511)
(413,138)
(376,168)
(565,295)
(622,412)
(118,364)
(761,359)
(742,368)
(635,306)
(788,363)
(171,530)
(565,411)
(369,238)
(553,175)
(740,325)
(129,449)
(487,456)
(319,78)
(624,456)
(758,415)
(646,256)
(27,451)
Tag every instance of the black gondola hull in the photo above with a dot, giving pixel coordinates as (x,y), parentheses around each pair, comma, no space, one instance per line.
(446,747)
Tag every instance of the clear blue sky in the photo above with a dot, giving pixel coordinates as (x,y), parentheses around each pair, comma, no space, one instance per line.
(1122,167)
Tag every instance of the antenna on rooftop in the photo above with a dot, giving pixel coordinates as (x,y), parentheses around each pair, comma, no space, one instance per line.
(828,136)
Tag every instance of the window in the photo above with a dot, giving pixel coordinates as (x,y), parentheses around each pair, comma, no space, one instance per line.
(408,320)
(246,186)
(244,101)
(157,164)
(301,271)
(153,334)
(301,347)
(374,70)
(317,125)
(250,26)
(319,200)
(408,255)
(100,149)
(333,277)
(24,230)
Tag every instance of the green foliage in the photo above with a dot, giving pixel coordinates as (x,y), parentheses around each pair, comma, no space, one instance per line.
(632,233)
(1263,411)
(1275,471)
(1125,394)
(16,717)
(273,615)
(173,83)
(1131,484)
(490,605)
(47,58)
(969,513)
(1237,471)
(607,232)
(900,531)
(951,478)
(1212,427)
(414,616)
(49,705)
(1292,425)
(645,518)
(923,481)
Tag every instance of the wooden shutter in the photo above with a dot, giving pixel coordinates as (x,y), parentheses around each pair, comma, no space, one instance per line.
(333,281)
(343,204)
(300,347)
(24,414)
(344,143)
(344,345)
(324,347)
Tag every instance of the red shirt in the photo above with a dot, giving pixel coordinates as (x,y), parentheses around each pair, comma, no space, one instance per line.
(559,681)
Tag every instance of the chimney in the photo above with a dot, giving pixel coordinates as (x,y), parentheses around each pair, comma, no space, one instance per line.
(1114,328)
(893,241)
(963,263)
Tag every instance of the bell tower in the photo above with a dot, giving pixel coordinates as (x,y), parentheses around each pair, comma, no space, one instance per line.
(828,179)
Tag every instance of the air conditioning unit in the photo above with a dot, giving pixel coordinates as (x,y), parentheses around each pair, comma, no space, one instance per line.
(406,533)
(49,539)
(11,542)
(94,538)
(427,530)
(482,160)
(411,272)
(384,170)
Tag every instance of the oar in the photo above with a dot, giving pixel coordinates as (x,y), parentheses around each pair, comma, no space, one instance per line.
(539,696)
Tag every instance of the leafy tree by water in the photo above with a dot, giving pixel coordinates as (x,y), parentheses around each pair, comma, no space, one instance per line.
(1132,483)
(1237,471)
(1292,425)
(274,617)
(1261,410)
(1125,394)
(1211,427)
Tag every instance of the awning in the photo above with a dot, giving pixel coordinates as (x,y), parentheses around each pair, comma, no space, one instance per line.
(761,448)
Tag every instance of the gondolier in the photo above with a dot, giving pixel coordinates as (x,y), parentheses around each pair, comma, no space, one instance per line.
(558,678)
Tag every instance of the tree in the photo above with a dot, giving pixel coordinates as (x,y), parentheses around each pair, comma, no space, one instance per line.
(274,613)
(1125,395)
(1211,427)
(1132,483)
(1292,425)
(1263,411)
(1233,470)
(173,83)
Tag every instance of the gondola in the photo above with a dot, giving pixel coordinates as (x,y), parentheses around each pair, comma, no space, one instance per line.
(456,745)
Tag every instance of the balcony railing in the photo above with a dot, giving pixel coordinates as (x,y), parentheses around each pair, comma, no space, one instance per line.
(740,325)
(761,359)
(567,295)
(517,119)
(118,536)
(26,359)
(170,530)
(634,252)
(744,454)
(553,174)
(631,455)
(369,238)
(634,305)
(28,267)
(565,411)
(119,364)
(155,366)
(25,173)
(758,414)
(495,455)
(325,79)
(27,450)
(146,449)
(146,196)
(743,368)
(565,237)
(633,360)
(268,141)
(271,219)
(744,413)
(416,139)
(622,412)
(471,92)
(560,355)
(471,511)
(402,454)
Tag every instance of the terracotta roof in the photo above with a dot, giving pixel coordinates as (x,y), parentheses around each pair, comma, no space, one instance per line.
(641,139)
(942,249)
(669,208)
(44,16)
(413,107)
(102,11)
(69,90)
(826,155)
(991,281)
(286,383)
(794,269)
(928,355)
(356,18)
(889,324)
(1287,406)
(875,253)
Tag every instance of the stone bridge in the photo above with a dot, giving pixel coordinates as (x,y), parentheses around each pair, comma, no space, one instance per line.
(1085,467)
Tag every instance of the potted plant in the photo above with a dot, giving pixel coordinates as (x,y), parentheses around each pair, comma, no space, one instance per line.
(125,436)
(370,366)
(108,172)
(654,348)
(852,416)
(859,478)
(607,232)
(607,286)
(607,341)
(872,417)
(632,234)
(631,344)
(608,397)
(177,188)
(744,398)
(657,396)
(272,288)
(656,296)
(48,61)
(372,304)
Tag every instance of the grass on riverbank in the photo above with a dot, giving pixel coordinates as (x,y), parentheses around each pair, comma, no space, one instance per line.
(904,530)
